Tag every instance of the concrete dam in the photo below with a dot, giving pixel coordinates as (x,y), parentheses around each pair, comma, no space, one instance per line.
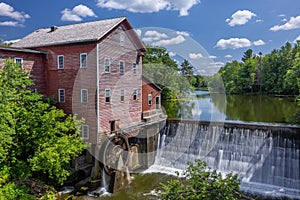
(266,157)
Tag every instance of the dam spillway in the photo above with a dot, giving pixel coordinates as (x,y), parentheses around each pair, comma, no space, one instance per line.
(266,157)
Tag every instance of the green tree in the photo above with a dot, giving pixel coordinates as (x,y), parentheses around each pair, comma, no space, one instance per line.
(199,182)
(187,70)
(36,139)
(247,55)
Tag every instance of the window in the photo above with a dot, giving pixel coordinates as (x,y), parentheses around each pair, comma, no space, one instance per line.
(106,65)
(121,67)
(122,95)
(84,95)
(107,96)
(134,68)
(61,95)
(149,99)
(121,40)
(19,62)
(83,60)
(135,94)
(60,62)
(85,131)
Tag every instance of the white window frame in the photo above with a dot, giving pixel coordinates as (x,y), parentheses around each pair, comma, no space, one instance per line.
(63,62)
(150,99)
(122,40)
(85,131)
(82,63)
(84,99)
(105,66)
(134,68)
(19,63)
(59,95)
(135,94)
(122,95)
(121,61)
(107,96)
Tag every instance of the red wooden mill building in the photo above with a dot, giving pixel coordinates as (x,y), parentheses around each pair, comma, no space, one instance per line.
(92,69)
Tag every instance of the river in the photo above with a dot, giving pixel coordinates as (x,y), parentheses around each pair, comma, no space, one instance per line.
(237,108)
(209,107)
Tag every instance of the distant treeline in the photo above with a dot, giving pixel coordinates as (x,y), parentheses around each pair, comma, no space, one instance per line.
(274,73)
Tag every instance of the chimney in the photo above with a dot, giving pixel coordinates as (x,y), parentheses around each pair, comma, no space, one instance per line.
(53,28)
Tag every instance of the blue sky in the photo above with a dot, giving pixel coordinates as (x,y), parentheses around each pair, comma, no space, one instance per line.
(224,28)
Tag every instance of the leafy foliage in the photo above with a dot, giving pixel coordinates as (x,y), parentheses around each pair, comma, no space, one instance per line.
(200,182)
(36,139)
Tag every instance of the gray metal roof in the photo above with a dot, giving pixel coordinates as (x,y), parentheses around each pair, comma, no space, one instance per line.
(82,32)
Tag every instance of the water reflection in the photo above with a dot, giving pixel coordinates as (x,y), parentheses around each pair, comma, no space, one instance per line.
(217,107)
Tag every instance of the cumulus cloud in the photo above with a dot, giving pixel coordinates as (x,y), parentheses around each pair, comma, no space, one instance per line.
(138,32)
(195,56)
(293,23)
(259,43)
(233,43)
(77,13)
(184,33)
(11,41)
(259,20)
(172,54)
(10,23)
(228,56)
(155,34)
(240,17)
(143,6)
(297,39)
(212,57)
(176,40)
(8,11)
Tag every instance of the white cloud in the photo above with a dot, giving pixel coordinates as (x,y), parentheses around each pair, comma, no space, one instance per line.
(77,13)
(172,54)
(284,20)
(212,57)
(233,43)
(298,38)
(143,6)
(281,15)
(240,17)
(195,56)
(176,40)
(228,56)
(184,33)
(138,32)
(155,34)
(8,11)
(259,42)
(11,41)
(259,20)
(293,23)
(10,23)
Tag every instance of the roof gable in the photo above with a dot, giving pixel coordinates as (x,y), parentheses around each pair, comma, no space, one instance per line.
(75,33)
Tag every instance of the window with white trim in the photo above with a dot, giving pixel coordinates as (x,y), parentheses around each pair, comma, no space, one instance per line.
(121,67)
(149,99)
(107,96)
(61,95)
(106,65)
(84,95)
(85,131)
(122,95)
(60,62)
(135,93)
(134,68)
(83,60)
(122,39)
(19,62)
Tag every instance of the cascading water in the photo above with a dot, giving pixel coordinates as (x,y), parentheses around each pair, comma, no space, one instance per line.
(266,158)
